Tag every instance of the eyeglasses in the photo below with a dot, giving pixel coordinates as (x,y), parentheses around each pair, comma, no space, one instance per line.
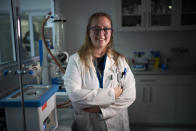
(97,29)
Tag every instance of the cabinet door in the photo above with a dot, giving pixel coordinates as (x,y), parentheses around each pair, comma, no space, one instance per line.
(137,111)
(186,105)
(162,96)
(141,15)
(155,100)
(160,14)
(186,14)
(131,15)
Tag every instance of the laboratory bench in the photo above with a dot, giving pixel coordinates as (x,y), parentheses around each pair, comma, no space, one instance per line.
(170,71)
(165,97)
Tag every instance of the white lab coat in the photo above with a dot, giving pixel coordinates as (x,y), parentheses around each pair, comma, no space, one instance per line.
(83,90)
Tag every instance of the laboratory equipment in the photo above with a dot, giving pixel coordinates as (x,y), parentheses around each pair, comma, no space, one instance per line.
(138,67)
(59,25)
(58,58)
(139,62)
(60,54)
(40,108)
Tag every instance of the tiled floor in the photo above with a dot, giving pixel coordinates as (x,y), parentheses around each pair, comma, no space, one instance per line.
(65,120)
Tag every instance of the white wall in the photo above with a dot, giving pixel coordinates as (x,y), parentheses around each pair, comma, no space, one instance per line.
(27,5)
(77,13)
(35,5)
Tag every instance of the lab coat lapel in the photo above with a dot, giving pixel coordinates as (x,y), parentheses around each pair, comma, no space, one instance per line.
(91,65)
(109,65)
(110,69)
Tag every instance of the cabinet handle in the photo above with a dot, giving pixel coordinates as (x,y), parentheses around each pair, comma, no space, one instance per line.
(149,19)
(144,92)
(144,20)
(150,99)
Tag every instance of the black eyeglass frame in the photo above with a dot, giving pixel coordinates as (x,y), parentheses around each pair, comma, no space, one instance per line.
(96,29)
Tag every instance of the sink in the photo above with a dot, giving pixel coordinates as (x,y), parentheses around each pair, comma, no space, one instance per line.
(31,92)
(34,96)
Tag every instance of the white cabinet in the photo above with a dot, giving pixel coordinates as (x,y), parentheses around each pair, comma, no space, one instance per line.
(186,96)
(145,15)
(186,14)
(155,100)
(135,15)
(137,111)
(164,99)
(131,15)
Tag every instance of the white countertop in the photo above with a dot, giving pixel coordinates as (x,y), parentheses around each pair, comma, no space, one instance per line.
(174,71)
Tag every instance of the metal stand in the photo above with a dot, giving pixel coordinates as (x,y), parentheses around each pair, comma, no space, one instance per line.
(18,44)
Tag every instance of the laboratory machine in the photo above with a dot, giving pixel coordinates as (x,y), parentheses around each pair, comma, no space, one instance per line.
(40,108)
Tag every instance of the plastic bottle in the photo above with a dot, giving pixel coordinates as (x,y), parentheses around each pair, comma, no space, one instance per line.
(156,60)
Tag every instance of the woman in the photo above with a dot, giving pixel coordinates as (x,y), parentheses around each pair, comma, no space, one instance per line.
(99,81)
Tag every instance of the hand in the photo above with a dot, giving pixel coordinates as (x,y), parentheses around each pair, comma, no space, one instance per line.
(118,91)
(94,109)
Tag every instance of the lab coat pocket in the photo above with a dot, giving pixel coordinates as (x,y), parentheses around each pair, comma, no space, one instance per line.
(113,80)
(114,76)
(117,78)
(108,83)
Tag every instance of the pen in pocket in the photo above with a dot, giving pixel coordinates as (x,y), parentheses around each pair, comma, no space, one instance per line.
(124,73)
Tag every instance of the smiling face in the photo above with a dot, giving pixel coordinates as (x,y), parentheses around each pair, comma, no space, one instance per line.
(100,32)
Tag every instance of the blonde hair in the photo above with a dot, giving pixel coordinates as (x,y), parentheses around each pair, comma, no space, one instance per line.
(85,51)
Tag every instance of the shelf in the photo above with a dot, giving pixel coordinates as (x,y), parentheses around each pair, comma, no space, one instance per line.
(132,15)
(160,14)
